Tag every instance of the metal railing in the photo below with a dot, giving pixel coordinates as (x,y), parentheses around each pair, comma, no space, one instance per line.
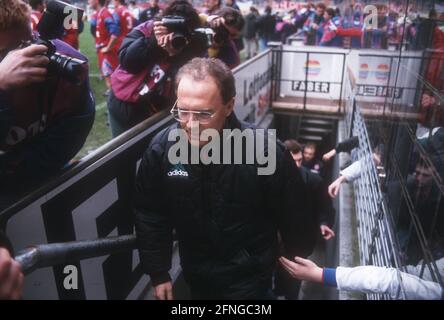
(377,241)
(378,226)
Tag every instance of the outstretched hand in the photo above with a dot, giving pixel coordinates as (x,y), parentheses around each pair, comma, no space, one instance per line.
(327,157)
(302,269)
(335,186)
(326,232)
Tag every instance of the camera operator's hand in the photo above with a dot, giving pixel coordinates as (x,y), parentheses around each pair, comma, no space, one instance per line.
(215,21)
(164,38)
(24,66)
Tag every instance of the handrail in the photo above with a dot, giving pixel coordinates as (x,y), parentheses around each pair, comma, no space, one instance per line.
(47,255)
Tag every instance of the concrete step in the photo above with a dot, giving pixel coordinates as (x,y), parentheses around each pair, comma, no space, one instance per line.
(316,122)
(315,130)
(304,137)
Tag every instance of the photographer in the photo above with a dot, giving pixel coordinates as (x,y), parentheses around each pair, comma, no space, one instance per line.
(149,58)
(44,118)
(226,30)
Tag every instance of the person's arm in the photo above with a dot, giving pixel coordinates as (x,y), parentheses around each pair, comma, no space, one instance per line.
(347,145)
(343,146)
(153,225)
(372,279)
(139,47)
(349,174)
(353,171)
(326,211)
(112,24)
(366,279)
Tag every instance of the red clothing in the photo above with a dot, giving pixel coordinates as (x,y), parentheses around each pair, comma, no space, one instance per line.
(126,20)
(103,29)
(35,19)
(71,37)
(106,26)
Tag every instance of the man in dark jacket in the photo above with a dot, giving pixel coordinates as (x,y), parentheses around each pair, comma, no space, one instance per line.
(250,33)
(265,28)
(226,216)
(151,12)
(320,207)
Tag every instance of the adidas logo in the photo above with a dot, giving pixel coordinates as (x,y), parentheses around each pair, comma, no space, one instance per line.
(178,170)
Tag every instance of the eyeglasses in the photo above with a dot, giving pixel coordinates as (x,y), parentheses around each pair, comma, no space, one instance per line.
(182,115)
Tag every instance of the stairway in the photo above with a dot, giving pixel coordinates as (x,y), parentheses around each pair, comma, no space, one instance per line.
(314,129)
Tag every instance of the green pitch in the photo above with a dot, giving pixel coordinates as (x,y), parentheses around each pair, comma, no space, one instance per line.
(100,133)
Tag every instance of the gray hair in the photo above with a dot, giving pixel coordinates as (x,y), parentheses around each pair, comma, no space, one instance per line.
(200,69)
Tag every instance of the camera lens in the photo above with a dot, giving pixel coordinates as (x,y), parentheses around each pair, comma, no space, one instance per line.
(178,41)
(221,35)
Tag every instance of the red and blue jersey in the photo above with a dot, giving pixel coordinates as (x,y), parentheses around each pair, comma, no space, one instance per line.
(105,27)
(125,20)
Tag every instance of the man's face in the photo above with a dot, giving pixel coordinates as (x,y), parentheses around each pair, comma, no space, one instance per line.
(423,175)
(202,96)
(154,3)
(297,157)
(11,39)
(309,154)
(229,2)
(94,4)
(319,12)
(211,4)
(327,17)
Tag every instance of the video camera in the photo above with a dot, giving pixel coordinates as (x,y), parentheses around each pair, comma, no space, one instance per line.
(176,24)
(51,26)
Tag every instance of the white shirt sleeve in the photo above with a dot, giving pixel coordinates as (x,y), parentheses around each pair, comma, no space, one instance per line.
(372,279)
(352,172)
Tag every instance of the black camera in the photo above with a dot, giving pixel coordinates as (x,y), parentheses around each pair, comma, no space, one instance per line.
(221,35)
(176,24)
(51,26)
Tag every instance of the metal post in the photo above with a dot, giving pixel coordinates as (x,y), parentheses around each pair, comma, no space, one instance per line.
(342,82)
(306,79)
